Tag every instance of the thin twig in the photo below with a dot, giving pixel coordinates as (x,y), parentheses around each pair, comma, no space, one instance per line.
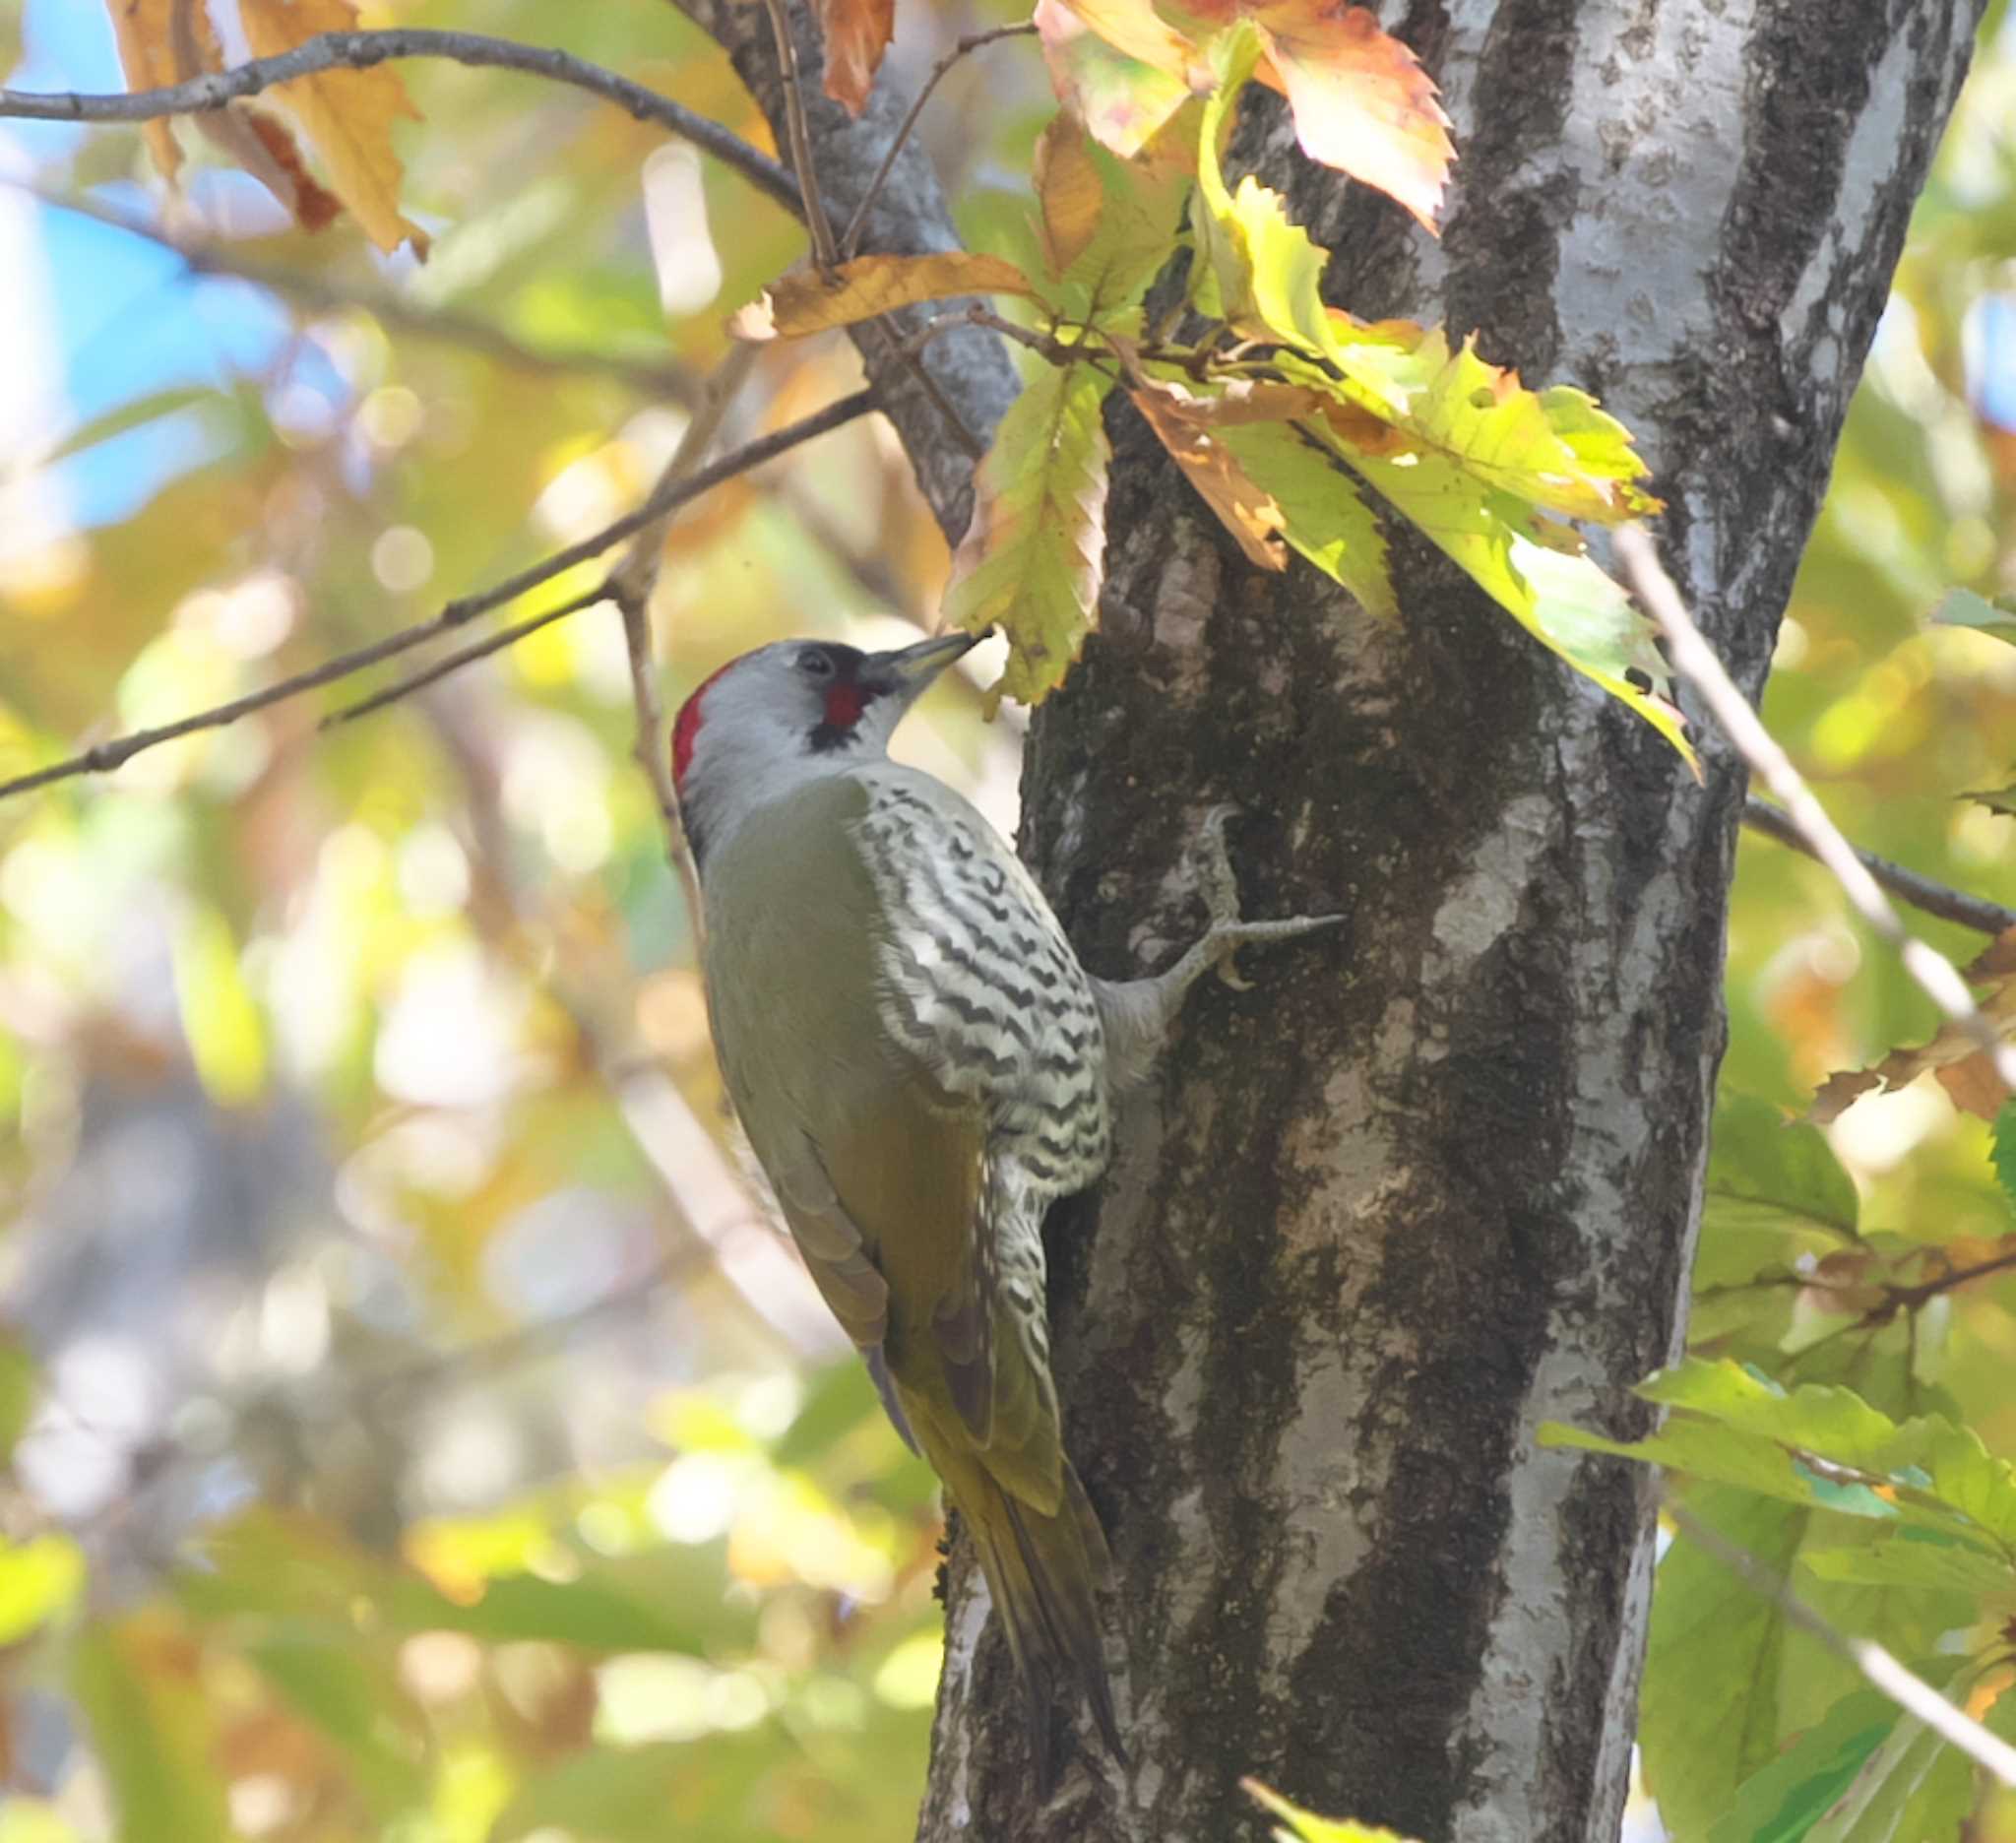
(1935,899)
(1694,658)
(672,381)
(1911,1692)
(362,50)
(824,251)
(103,757)
(851,238)
(438,670)
(630,586)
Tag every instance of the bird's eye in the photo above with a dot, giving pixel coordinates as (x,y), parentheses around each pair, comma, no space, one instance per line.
(815,664)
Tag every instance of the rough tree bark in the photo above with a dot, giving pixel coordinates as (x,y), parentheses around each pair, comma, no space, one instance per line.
(1436,1181)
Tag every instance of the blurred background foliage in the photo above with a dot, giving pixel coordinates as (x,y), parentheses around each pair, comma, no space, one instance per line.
(416,1428)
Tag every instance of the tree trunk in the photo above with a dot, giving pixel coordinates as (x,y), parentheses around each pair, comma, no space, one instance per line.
(1434,1181)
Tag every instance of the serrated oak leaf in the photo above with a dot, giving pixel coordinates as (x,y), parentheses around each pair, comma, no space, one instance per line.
(805,301)
(346,115)
(1141,205)
(1070,197)
(1122,101)
(1326,521)
(1360,99)
(1034,558)
(856,34)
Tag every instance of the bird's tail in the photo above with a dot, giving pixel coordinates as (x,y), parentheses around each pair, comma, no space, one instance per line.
(1045,1573)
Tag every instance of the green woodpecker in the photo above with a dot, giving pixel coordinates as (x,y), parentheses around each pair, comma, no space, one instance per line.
(922,1066)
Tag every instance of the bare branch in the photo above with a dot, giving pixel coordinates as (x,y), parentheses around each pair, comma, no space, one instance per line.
(1935,899)
(362,50)
(1911,1692)
(438,670)
(1694,658)
(321,295)
(103,757)
(851,238)
(799,135)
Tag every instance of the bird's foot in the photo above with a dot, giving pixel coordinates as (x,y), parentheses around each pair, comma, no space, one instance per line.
(1138,1014)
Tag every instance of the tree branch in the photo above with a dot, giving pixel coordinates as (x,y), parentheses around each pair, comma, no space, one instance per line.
(851,238)
(1935,899)
(1695,660)
(1911,1692)
(362,50)
(967,371)
(103,757)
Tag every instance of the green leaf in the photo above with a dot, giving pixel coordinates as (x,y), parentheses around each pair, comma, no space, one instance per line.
(1564,601)
(2003,1153)
(1139,213)
(1962,608)
(1768,1175)
(1265,275)
(1708,1709)
(1306,1826)
(1325,519)
(153,1730)
(1781,1802)
(1035,555)
(134,413)
(1916,1558)
(1871,1810)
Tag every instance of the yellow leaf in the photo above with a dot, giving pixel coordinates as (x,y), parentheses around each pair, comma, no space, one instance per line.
(805,301)
(346,115)
(1309,1827)
(1122,101)
(1068,191)
(1035,555)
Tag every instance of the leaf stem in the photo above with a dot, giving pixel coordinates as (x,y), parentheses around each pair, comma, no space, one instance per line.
(851,238)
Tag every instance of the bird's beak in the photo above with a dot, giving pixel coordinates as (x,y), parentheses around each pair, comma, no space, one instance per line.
(907,670)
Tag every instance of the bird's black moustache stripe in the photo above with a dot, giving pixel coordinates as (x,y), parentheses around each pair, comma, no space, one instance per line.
(828,736)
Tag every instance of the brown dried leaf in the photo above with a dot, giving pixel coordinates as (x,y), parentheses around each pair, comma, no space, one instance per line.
(347,116)
(162,43)
(858,32)
(1961,1066)
(805,301)
(1067,190)
(1182,424)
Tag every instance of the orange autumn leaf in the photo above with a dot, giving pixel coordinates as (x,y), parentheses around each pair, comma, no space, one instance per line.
(1360,99)
(346,115)
(1182,424)
(856,32)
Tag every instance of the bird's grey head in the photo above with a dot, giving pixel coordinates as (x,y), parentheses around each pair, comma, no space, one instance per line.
(788,713)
